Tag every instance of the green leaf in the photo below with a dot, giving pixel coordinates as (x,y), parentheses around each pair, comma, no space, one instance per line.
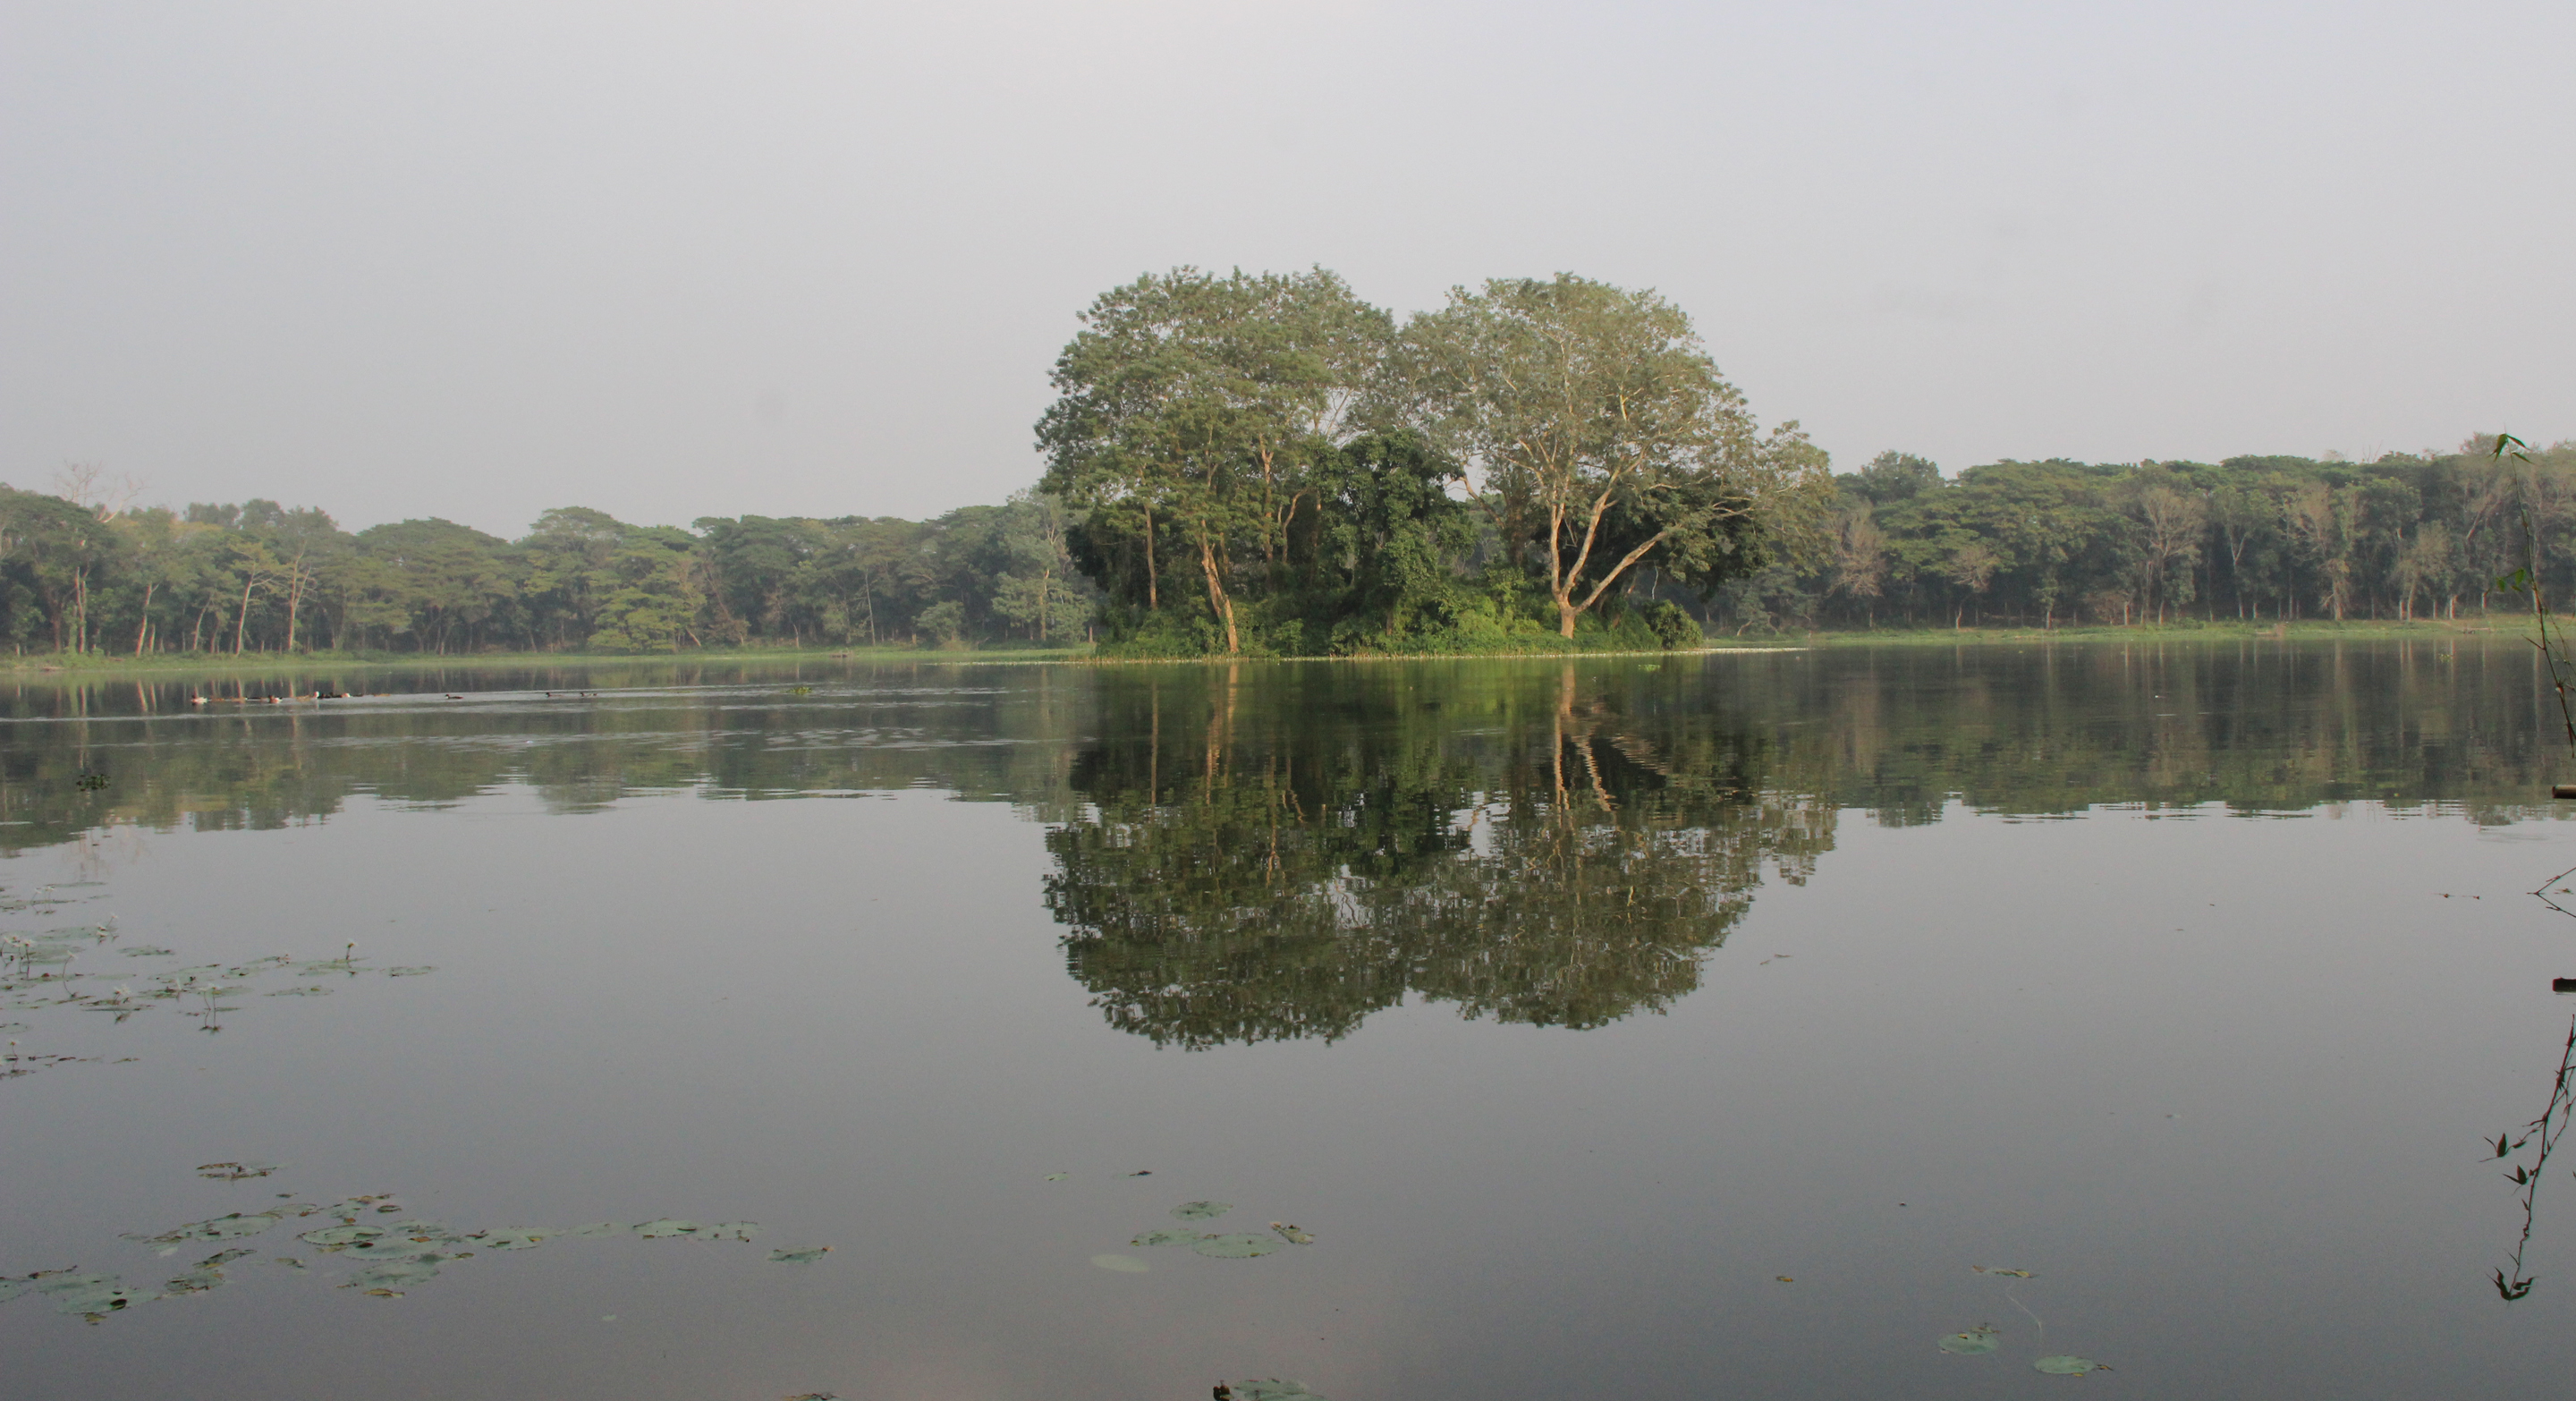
(1236,1247)
(1976,1342)
(1202,1211)
(2067,1366)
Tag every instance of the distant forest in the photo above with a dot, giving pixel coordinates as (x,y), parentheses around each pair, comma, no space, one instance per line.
(2037,544)
(2009,543)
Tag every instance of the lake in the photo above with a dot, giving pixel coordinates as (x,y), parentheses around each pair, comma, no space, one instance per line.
(1856,1021)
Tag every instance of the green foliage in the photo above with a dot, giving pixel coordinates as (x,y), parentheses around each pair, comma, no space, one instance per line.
(2045,544)
(1263,465)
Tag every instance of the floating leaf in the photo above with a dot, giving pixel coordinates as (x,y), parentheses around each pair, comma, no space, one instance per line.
(1292,1235)
(598,1229)
(1167,1238)
(410,972)
(234,1172)
(392,1273)
(1124,1264)
(1273,1389)
(798,1257)
(222,1258)
(667,1229)
(1202,1211)
(517,1237)
(2067,1366)
(147,951)
(1976,1342)
(193,1282)
(341,1235)
(1237,1247)
(93,1295)
(232,1227)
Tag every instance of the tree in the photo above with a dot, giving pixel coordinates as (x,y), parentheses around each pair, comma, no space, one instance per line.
(1194,404)
(1581,406)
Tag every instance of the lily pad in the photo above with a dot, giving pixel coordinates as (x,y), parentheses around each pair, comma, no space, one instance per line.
(517,1237)
(1167,1238)
(1236,1247)
(799,1257)
(341,1235)
(1202,1211)
(232,1227)
(409,972)
(1976,1342)
(598,1229)
(93,1295)
(2067,1366)
(222,1258)
(1291,1234)
(1123,1264)
(234,1172)
(146,951)
(667,1229)
(194,1282)
(1273,1389)
(395,1274)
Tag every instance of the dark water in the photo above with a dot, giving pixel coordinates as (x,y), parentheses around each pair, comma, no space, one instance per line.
(1569,1008)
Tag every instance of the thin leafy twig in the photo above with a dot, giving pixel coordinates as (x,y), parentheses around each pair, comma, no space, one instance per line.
(2548,1128)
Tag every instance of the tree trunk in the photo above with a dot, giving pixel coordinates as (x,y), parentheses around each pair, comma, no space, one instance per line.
(1153,584)
(141,628)
(1217,598)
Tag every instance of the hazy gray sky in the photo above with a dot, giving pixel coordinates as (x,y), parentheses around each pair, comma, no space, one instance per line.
(478,259)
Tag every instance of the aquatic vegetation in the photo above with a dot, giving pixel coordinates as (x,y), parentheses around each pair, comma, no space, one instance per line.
(1291,1234)
(1976,1342)
(1233,1247)
(1202,1211)
(37,972)
(392,1256)
(1167,1238)
(1273,1389)
(2067,1366)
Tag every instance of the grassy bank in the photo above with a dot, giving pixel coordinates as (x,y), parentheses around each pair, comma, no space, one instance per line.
(2466,629)
(270,665)
(96,666)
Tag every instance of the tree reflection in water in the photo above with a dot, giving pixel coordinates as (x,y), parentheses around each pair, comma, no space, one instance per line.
(1540,845)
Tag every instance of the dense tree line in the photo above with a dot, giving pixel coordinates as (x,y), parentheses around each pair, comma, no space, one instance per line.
(260,577)
(2417,535)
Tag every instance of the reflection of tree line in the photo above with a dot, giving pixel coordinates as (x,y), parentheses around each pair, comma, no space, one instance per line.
(1262,861)
(1897,731)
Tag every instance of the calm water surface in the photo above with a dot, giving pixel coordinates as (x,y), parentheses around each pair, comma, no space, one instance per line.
(1620,1029)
